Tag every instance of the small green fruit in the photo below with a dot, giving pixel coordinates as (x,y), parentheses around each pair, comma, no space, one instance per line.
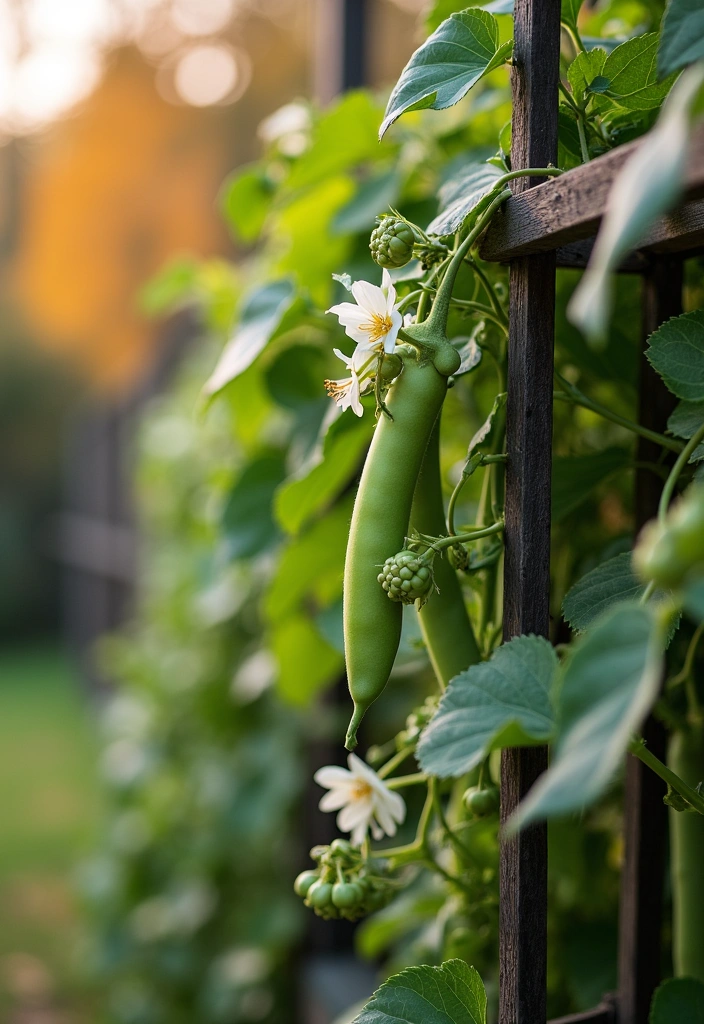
(346,895)
(405,578)
(481,802)
(304,881)
(320,895)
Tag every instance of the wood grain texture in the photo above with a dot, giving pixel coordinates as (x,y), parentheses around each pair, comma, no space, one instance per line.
(570,208)
(523,859)
(645,824)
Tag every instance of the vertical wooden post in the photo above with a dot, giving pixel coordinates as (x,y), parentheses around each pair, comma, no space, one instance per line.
(523,860)
(645,825)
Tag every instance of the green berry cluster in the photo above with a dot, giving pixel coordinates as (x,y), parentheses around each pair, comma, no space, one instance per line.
(391,242)
(406,578)
(416,722)
(343,884)
(669,552)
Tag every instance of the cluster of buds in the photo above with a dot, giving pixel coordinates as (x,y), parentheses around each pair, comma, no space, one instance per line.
(407,577)
(344,884)
(395,241)
(416,722)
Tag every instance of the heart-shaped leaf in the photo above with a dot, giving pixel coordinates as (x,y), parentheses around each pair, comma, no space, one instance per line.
(450,994)
(610,583)
(684,422)
(443,70)
(676,352)
(609,684)
(503,702)
(631,70)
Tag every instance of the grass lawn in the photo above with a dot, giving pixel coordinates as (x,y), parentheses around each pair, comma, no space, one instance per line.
(51,812)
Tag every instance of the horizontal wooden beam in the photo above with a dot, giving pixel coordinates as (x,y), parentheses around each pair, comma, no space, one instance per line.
(568,209)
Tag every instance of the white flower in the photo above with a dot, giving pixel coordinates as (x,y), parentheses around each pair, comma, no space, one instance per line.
(363,800)
(347,391)
(374,322)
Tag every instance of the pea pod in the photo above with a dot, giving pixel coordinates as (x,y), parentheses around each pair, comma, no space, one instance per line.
(372,623)
(444,622)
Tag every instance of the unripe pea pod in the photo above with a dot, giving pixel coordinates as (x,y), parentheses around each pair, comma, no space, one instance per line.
(444,621)
(372,623)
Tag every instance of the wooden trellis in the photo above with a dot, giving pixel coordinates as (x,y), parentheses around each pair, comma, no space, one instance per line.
(546,224)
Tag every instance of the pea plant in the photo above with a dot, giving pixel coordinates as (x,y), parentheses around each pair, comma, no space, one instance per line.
(589,697)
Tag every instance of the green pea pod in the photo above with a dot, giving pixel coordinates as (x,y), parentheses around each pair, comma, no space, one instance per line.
(686,759)
(372,623)
(444,621)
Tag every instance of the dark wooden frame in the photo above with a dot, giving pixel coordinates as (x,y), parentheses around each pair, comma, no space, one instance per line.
(546,224)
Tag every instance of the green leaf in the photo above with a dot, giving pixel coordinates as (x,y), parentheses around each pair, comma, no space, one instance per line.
(684,421)
(342,138)
(678,1001)
(311,564)
(574,477)
(245,200)
(676,352)
(266,312)
(632,70)
(649,184)
(587,66)
(470,353)
(569,12)
(247,520)
(169,287)
(460,52)
(373,196)
(609,684)
(461,194)
(694,599)
(681,35)
(295,376)
(486,432)
(326,474)
(610,583)
(503,702)
(450,994)
(307,662)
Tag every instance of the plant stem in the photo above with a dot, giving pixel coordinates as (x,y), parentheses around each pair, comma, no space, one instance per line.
(440,811)
(638,748)
(407,780)
(574,395)
(682,460)
(466,538)
(529,172)
(686,675)
(493,297)
(394,762)
(686,755)
(582,138)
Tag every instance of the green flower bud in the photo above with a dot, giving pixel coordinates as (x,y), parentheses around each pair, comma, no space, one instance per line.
(667,553)
(304,881)
(481,802)
(406,578)
(391,242)
(346,895)
(319,895)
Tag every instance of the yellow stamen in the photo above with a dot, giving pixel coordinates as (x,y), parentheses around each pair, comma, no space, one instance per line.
(378,327)
(360,790)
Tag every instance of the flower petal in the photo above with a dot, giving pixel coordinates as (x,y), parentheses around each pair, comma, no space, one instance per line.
(377,832)
(347,360)
(391,336)
(361,770)
(354,814)
(359,834)
(383,816)
(397,805)
(336,798)
(331,775)
(370,297)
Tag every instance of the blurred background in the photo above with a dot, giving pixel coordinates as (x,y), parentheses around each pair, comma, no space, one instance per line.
(119,121)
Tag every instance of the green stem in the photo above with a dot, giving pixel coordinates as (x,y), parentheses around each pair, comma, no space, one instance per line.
(493,297)
(638,748)
(682,460)
(466,538)
(529,172)
(394,762)
(574,35)
(455,841)
(582,138)
(574,395)
(406,780)
(686,755)
(686,674)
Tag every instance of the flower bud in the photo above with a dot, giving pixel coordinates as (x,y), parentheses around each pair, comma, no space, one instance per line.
(406,577)
(391,242)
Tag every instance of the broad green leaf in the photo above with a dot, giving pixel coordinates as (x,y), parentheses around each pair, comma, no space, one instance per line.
(649,184)
(684,421)
(574,477)
(247,521)
(587,66)
(569,12)
(460,52)
(374,196)
(311,563)
(295,376)
(681,35)
(450,994)
(331,468)
(307,663)
(470,353)
(503,702)
(266,312)
(460,195)
(610,583)
(609,683)
(485,433)
(343,137)
(569,151)
(632,71)
(676,352)
(678,1001)
(245,200)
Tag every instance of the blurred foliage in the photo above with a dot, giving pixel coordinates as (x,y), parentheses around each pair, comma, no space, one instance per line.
(245,501)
